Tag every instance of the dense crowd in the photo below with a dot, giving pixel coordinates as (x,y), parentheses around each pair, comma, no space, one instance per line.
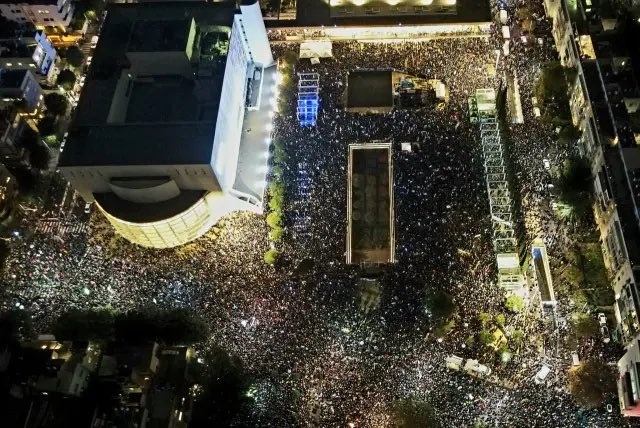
(316,357)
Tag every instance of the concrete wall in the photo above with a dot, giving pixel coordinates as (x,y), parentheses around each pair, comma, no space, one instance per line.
(254,34)
(231,112)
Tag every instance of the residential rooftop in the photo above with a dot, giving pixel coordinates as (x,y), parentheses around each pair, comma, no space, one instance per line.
(12,78)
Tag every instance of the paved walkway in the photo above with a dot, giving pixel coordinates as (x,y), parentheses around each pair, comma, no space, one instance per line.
(253,158)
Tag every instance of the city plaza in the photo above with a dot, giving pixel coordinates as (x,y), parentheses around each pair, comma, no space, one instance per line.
(317,358)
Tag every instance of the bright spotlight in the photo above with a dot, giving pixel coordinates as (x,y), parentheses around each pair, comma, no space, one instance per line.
(267,140)
(359,2)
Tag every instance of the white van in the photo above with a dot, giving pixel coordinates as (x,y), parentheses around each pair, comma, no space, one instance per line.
(575,359)
(454,362)
(542,374)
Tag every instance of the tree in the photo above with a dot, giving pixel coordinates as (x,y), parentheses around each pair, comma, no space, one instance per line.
(47,125)
(439,306)
(274,219)
(74,56)
(514,303)
(516,337)
(176,326)
(584,326)
(84,325)
(39,157)
(500,320)
(5,251)
(224,389)
(275,234)
(15,325)
(551,91)
(66,79)
(29,139)
(568,135)
(486,337)
(271,256)
(590,382)
(279,153)
(413,412)
(56,104)
(484,318)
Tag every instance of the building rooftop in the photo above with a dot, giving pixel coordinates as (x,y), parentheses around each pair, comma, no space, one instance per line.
(12,78)
(156,118)
(368,88)
(153,36)
(139,144)
(43,2)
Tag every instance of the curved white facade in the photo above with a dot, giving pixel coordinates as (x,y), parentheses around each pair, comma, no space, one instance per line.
(181,228)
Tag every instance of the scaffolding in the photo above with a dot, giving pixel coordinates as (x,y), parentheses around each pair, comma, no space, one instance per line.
(505,243)
(308,94)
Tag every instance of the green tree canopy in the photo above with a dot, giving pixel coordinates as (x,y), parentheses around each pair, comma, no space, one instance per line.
(5,251)
(15,325)
(47,125)
(551,90)
(83,325)
(413,413)
(439,306)
(56,103)
(177,326)
(514,303)
(584,325)
(590,382)
(274,219)
(271,256)
(29,139)
(74,56)
(225,384)
(484,318)
(39,157)
(276,233)
(66,79)
(486,337)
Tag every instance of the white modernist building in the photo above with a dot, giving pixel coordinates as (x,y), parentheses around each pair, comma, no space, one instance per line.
(41,13)
(158,142)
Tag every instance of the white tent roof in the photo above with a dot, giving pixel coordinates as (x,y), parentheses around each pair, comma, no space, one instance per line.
(316,49)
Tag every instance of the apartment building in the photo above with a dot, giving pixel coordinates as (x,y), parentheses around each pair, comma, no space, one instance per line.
(41,13)
(605,107)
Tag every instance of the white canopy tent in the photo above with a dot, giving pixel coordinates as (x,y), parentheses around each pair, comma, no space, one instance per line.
(316,49)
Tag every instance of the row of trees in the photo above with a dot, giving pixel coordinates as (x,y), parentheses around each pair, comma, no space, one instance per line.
(168,326)
(277,187)
(276,192)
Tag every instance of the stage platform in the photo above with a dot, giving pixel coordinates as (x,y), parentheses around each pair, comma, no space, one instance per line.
(370,231)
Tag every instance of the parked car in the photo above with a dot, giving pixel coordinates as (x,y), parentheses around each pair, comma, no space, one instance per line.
(575,359)
(602,319)
(87,208)
(606,337)
(542,374)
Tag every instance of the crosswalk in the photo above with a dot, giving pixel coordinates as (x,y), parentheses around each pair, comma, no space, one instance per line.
(61,228)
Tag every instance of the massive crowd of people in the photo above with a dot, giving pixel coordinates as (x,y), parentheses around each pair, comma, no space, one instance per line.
(316,358)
